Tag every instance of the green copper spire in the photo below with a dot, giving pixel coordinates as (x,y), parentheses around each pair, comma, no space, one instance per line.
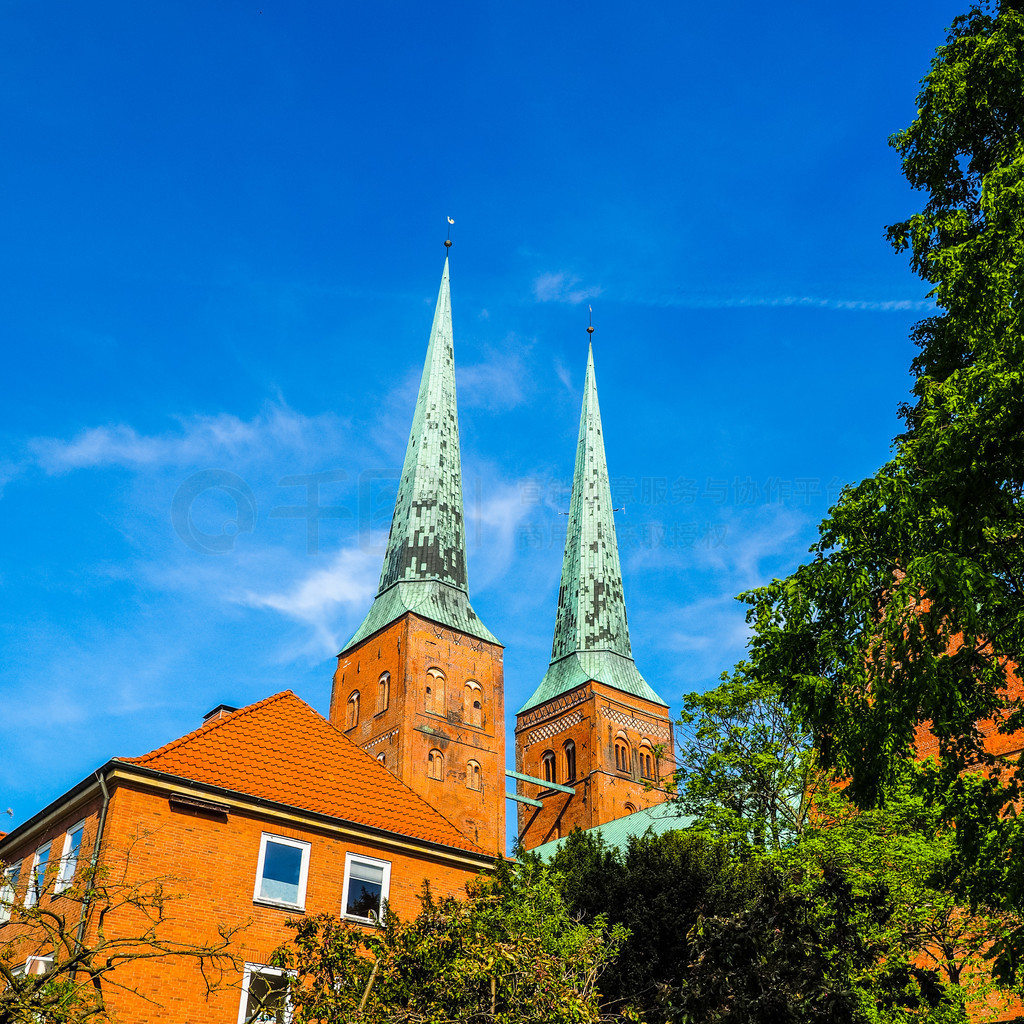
(425,562)
(591,635)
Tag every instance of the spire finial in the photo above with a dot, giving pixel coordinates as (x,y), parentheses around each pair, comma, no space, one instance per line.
(448,240)
(590,325)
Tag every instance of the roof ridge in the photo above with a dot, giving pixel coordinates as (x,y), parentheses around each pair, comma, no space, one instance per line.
(207,727)
(423,808)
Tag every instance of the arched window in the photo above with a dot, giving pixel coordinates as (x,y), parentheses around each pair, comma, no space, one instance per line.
(435,765)
(547,760)
(473,775)
(472,703)
(383,692)
(646,760)
(436,702)
(382,757)
(352,716)
(570,761)
(630,809)
(622,758)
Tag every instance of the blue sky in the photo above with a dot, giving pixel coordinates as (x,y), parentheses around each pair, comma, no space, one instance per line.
(223,230)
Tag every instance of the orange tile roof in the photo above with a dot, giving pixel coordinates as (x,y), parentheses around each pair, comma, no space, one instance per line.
(281,749)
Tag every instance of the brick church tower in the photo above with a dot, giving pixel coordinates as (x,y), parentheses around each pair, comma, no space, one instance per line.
(420,684)
(593,724)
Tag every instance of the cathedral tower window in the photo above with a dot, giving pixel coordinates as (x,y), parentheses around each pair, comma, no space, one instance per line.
(472,711)
(570,761)
(435,765)
(436,702)
(646,760)
(473,775)
(352,716)
(383,692)
(548,762)
(622,758)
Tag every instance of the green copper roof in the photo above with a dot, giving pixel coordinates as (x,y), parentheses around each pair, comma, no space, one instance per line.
(425,562)
(591,635)
(660,818)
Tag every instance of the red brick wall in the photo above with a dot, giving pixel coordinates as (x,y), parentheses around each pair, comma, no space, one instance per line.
(408,730)
(211,863)
(591,717)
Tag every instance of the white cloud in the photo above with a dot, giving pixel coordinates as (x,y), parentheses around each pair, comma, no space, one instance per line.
(563,374)
(491,529)
(561,287)
(496,383)
(199,438)
(684,301)
(347,584)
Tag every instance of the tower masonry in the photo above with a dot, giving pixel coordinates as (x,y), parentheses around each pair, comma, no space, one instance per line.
(594,723)
(420,685)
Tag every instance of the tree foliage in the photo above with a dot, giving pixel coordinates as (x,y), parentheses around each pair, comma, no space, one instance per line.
(722,936)
(910,615)
(509,952)
(658,890)
(85,940)
(744,763)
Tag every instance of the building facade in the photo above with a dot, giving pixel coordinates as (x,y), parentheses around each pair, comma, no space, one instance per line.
(269,812)
(262,814)
(593,724)
(420,684)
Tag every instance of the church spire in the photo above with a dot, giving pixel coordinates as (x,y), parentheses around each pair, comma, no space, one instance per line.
(425,563)
(591,635)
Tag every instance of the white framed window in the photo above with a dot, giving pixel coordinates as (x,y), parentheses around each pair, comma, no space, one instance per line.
(34,965)
(264,996)
(8,892)
(367,884)
(282,871)
(69,857)
(37,880)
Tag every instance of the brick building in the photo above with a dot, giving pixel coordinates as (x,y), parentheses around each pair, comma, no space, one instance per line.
(261,814)
(271,811)
(594,730)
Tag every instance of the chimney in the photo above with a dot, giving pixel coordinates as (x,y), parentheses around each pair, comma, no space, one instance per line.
(220,711)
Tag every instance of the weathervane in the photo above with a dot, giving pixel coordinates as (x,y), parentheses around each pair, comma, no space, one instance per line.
(590,326)
(448,240)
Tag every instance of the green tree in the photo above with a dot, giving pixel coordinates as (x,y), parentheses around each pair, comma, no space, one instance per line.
(815,946)
(910,615)
(744,763)
(509,952)
(658,889)
(718,933)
